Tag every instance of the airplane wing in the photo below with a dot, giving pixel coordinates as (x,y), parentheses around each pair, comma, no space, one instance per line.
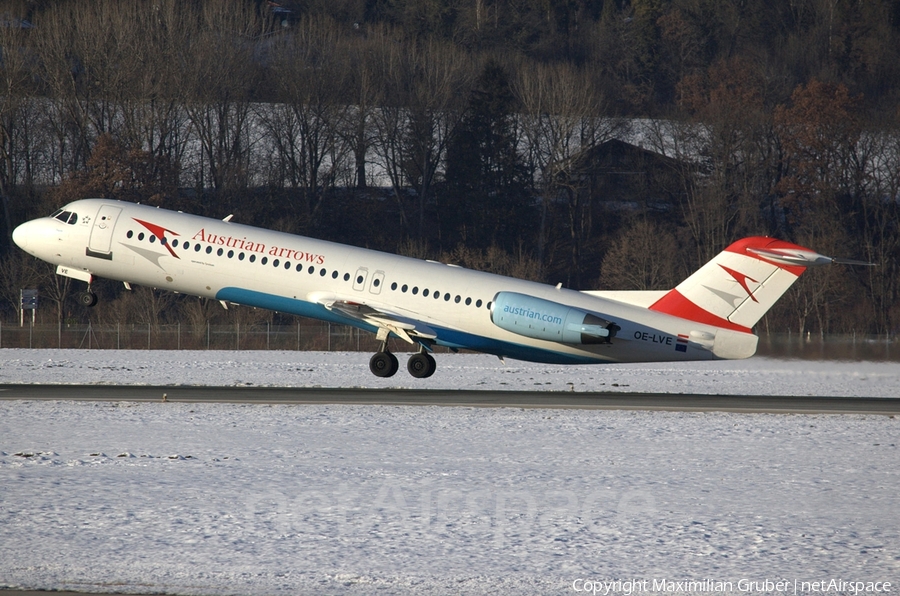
(404,327)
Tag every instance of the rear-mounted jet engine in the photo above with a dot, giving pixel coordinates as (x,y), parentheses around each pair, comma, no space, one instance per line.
(543,319)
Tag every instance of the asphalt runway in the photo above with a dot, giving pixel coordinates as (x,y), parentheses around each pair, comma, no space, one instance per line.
(458,398)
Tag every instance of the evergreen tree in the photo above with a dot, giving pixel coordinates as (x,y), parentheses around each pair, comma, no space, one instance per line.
(486,180)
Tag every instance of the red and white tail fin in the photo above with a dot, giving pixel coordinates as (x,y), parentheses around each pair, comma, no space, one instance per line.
(737,287)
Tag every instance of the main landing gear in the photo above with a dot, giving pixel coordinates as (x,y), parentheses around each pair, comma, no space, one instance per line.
(87,298)
(384,364)
(421,365)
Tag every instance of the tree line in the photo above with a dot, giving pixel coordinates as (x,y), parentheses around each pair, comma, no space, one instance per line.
(457,131)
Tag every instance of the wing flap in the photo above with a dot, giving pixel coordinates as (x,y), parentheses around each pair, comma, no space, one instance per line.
(406,328)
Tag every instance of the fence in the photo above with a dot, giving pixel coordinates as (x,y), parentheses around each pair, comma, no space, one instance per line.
(302,336)
(317,335)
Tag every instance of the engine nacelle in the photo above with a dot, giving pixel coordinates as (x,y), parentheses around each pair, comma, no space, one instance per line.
(543,319)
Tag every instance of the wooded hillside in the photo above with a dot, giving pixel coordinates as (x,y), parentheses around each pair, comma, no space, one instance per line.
(476,132)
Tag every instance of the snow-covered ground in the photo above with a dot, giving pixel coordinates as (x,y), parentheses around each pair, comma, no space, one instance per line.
(755,376)
(286,499)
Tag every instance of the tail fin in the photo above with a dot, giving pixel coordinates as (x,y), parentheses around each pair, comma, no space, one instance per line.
(741,283)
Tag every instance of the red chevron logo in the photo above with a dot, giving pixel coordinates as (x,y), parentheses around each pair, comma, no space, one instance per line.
(741,279)
(159,232)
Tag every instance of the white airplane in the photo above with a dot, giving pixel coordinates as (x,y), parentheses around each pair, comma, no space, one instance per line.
(710,315)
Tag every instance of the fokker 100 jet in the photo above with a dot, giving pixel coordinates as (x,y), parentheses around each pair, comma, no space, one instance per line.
(710,315)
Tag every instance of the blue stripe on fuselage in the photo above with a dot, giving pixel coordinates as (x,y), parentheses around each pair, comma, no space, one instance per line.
(450,338)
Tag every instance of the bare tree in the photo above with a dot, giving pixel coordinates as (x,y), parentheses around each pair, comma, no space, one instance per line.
(563,114)
(439,76)
(642,257)
(218,77)
(305,124)
(389,119)
(14,83)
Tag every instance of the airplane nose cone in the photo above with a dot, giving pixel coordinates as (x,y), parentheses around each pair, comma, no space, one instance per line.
(20,235)
(36,235)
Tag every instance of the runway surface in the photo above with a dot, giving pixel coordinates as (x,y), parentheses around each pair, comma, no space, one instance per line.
(458,398)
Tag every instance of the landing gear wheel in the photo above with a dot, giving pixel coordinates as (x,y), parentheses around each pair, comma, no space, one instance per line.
(383,364)
(88,299)
(421,365)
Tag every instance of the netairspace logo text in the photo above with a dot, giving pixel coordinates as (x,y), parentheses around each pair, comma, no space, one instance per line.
(741,586)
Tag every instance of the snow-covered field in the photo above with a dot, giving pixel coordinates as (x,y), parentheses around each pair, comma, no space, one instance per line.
(284,499)
(755,376)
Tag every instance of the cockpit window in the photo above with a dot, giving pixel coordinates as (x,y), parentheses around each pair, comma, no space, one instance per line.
(66,216)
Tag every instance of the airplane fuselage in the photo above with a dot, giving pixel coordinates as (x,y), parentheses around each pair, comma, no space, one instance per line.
(430,303)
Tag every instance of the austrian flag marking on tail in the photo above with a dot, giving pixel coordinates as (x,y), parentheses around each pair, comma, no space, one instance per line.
(681,343)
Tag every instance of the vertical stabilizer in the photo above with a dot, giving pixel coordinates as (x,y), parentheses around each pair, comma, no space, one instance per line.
(736,288)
